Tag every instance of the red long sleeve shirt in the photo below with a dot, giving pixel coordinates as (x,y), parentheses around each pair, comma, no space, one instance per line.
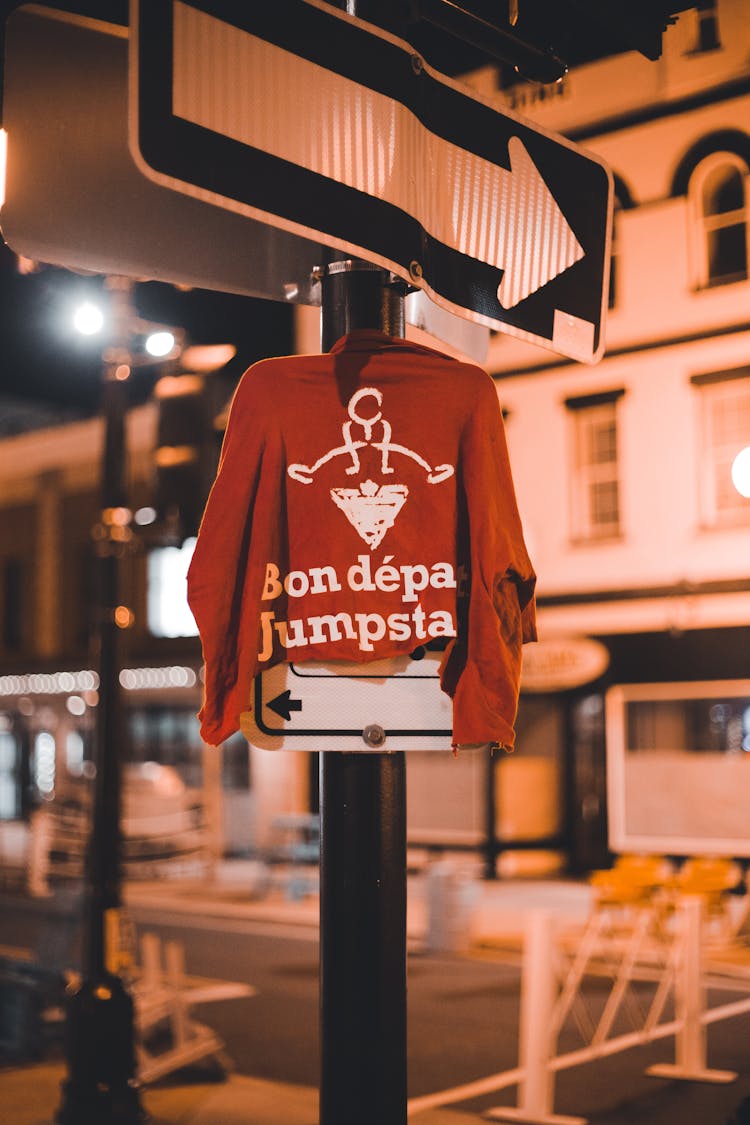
(363,506)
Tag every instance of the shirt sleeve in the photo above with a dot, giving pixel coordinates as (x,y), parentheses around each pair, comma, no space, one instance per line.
(497,614)
(221,578)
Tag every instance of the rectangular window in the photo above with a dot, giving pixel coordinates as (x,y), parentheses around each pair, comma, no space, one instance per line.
(724,419)
(708,27)
(726,250)
(595,477)
(13,605)
(677,762)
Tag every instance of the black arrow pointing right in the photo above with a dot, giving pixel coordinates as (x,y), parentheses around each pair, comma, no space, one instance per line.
(283,705)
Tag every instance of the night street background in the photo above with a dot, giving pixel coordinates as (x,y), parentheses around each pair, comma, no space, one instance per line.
(462,1026)
(45,364)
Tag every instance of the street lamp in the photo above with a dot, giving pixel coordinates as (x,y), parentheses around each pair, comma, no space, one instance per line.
(88,319)
(741,472)
(101,1086)
(160,344)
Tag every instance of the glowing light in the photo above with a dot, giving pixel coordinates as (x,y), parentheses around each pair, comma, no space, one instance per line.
(160,344)
(741,472)
(124,617)
(52,683)
(144,516)
(74,753)
(156,679)
(44,763)
(116,517)
(88,319)
(76,705)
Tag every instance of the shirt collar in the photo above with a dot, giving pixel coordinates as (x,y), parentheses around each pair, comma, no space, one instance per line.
(371,340)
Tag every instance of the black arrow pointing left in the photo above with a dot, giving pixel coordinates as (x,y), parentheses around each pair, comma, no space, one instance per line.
(283,705)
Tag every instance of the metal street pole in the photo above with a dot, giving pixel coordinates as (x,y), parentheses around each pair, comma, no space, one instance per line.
(101,1086)
(363,844)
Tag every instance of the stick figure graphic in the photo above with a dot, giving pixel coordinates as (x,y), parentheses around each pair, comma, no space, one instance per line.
(366,425)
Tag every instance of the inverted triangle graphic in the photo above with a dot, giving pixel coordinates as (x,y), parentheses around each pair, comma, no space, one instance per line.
(371,510)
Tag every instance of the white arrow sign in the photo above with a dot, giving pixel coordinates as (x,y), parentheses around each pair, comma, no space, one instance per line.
(304,117)
(524,205)
(386,705)
(482,210)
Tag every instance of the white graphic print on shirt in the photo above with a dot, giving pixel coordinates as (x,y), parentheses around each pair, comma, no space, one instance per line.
(370,508)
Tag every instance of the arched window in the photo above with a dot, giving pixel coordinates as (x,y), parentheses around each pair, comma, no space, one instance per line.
(718,195)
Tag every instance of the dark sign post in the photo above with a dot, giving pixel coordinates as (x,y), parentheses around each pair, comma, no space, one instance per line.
(362,846)
(101,1086)
(363,938)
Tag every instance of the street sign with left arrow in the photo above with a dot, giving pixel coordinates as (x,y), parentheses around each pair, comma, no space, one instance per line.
(392,704)
(283,705)
(319,124)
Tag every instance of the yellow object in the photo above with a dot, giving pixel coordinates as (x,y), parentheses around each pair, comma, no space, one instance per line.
(633,879)
(116,954)
(710,877)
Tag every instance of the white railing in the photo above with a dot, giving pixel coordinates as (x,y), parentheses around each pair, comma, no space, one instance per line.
(670,957)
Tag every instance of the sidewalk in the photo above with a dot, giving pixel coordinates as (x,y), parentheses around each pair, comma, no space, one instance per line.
(495,912)
(498,912)
(30,1095)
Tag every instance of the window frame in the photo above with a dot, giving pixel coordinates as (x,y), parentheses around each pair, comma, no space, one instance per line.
(703,225)
(586,473)
(658,832)
(708,38)
(716,456)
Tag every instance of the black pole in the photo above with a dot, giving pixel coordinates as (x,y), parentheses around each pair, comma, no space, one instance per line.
(101,1086)
(356,294)
(363,939)
(363,845)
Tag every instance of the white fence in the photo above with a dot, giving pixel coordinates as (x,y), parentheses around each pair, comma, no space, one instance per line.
(666,948)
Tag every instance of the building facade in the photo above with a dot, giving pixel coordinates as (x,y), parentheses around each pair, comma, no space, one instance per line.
(640,536)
